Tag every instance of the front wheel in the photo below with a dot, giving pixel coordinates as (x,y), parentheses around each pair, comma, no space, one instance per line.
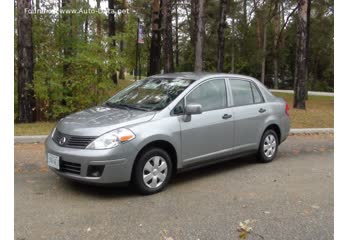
(268,146)
(152,171)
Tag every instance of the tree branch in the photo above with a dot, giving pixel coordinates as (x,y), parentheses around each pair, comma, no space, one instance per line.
(285,23)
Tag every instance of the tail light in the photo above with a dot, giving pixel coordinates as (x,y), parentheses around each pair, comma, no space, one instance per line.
(287,109)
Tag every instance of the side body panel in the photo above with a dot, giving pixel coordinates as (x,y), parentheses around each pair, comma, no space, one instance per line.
(249,125)
(206,136)
(159,129)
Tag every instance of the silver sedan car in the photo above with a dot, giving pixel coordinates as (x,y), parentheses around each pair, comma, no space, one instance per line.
(165,124)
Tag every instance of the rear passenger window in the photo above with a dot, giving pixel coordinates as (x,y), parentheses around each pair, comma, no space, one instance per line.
(256,94)
(241,92)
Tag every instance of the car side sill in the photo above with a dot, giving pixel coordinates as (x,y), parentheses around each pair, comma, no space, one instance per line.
(191,166)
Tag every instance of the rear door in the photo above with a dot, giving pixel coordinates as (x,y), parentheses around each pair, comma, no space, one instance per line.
(210,134)
(249,113)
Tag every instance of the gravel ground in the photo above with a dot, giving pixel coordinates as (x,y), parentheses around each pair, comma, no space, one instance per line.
(290,198)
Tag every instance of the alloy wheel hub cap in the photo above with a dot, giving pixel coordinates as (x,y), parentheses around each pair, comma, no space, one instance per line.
(155,172)
(270,145)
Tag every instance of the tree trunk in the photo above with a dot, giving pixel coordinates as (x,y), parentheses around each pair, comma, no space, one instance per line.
(244,12)
(233,46)
(86,25)
(283,36)
(98,20)
(221,37)
(155,51)
(193,21)
(67,42)
(263,59)
(258,24)
(307,46)
(69,20)
(276,26)
(189,18)
(26,97)
(167,37)
(99,38)
(282,43)
(111,33)
(176,35)
(199,15)
(121,47)
(300,88)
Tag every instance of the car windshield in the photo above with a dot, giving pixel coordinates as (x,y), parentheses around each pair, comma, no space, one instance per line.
(150,94)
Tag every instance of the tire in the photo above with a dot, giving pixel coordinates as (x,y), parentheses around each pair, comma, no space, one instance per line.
(268,146)
(152,171)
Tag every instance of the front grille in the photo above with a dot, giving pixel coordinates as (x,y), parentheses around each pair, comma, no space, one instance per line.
(71,141)
(70,167)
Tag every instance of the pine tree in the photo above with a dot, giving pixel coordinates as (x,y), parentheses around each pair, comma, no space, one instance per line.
(198,15)
(168,59)
(26,99)
(221,37)
(155,50)
(301,73)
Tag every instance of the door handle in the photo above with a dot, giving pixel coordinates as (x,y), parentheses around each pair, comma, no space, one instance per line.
(226,116)
(262,110)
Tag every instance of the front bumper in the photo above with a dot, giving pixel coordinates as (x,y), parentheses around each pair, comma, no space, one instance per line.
(117,162)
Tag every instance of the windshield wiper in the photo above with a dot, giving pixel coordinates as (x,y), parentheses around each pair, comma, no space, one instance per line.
(126,106)
(137,107)
(118,105)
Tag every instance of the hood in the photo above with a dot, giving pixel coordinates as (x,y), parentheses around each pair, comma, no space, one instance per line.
(99,120)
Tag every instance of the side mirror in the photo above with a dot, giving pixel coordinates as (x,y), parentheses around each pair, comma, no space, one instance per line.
(193,109)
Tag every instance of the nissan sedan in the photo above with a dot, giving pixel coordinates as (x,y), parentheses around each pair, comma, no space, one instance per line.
(165,124)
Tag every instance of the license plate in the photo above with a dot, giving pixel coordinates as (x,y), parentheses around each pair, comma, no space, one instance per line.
(53,161)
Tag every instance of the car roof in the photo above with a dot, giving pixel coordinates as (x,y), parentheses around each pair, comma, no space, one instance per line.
(196,76)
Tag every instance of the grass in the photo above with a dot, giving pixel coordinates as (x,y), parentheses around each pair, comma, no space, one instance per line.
(319,113)
(38,128)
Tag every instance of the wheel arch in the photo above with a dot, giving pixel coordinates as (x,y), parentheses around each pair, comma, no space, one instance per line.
(276,128)
(162,144)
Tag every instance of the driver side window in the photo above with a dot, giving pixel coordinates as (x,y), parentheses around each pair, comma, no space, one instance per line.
(211,95)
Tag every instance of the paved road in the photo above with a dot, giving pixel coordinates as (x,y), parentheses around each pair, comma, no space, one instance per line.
(290,198)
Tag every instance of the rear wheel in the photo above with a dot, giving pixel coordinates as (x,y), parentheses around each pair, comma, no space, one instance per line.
(268,146)
(152,171)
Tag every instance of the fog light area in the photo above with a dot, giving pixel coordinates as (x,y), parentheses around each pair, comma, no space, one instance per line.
(95,170)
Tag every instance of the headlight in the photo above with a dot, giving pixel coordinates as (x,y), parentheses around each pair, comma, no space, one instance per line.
(53,132)
(112,139)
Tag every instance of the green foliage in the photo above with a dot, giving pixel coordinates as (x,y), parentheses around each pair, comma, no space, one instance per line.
(73,66)
(87,80)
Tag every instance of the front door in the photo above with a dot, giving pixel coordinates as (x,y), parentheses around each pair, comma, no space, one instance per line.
(209,134)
